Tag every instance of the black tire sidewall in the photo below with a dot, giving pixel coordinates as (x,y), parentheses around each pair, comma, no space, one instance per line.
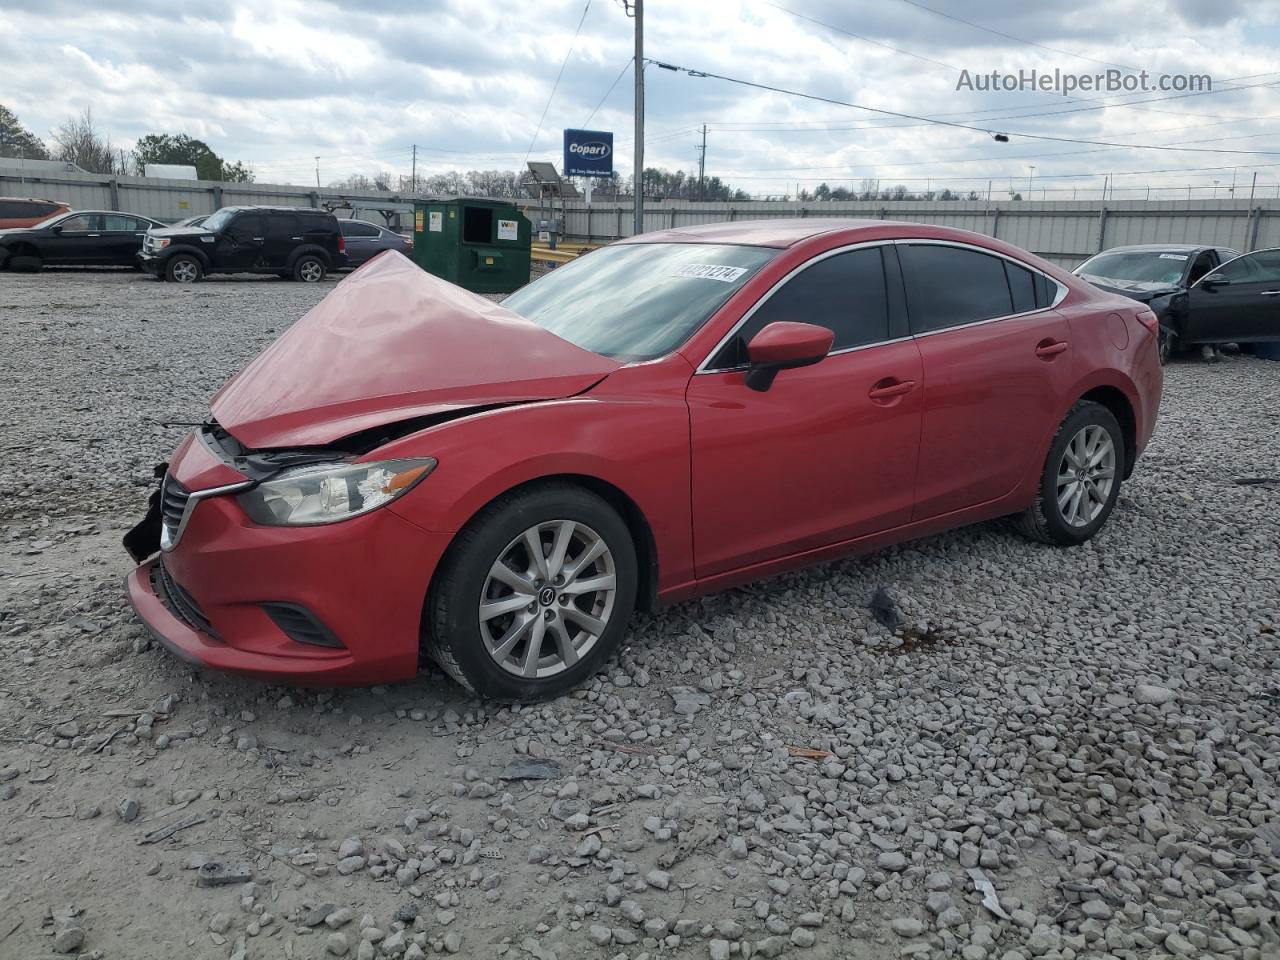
(169,264)
(1168,345)
(1088,414)
(305,258)
(456,596)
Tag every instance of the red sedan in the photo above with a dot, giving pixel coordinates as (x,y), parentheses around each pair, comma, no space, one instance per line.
(412,469)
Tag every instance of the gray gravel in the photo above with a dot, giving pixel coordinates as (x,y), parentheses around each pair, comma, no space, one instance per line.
(1088,739)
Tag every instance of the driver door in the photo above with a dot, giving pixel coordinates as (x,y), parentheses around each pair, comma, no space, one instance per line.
(240,246)
(828,452)
(1238,302)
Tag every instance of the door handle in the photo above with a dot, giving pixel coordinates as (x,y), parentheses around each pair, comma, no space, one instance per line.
(1048,349)
(93,234)
(890,389)
(1271,293)
(256,239)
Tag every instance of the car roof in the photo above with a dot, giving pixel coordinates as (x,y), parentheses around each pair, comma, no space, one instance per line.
(1163,248)
(60,203)
(780,232)
(250,206)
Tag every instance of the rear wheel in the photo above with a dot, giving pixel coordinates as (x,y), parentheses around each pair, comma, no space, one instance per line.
(309,269)
(183,268)
(534,594)
(25,262)
(1081,478)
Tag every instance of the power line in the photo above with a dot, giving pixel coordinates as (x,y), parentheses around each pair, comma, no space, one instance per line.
(607,92)
(554,86)
(951,123)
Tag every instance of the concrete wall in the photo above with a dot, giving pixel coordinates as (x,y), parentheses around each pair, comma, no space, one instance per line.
(1066,232)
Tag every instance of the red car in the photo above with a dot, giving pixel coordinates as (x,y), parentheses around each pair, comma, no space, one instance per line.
(412,469)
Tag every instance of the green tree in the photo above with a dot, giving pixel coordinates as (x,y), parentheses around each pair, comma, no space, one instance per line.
(188,151)
(16,140)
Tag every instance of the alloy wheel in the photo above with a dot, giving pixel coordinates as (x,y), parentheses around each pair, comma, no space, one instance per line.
(547,599)
(185,271)
(1085,475)
(311,271)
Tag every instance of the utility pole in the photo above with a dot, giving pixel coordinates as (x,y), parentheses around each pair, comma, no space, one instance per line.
(1031,179)
(317,171)
(702,165)
(413,177)
(1253,186)
(638,219)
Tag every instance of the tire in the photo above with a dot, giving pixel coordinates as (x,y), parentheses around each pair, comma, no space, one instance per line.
(1050,519)
(183,268)
(469,646)
(25,263)
(1167,345)
(309,268)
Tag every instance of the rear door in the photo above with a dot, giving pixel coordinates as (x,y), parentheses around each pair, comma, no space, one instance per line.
(827,453)
(997,363)
(1239,301)
(122,237)
(282,238)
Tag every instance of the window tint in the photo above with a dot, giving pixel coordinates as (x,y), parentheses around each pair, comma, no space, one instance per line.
(118,221)
(20,209)
(951,286)
(83,221)
(247,225)
(1202,265)
(1022,286)
(282,224)
(354,228)
(844,293)
(1242,269)
(1046,290)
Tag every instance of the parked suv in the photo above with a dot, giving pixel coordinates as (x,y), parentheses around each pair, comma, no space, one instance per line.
(27,212)
(293,242)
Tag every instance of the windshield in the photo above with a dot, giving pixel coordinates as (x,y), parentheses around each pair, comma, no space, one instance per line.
(1146,266)
(637,301)
(219,219)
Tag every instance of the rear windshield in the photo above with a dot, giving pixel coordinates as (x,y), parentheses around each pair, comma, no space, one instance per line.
(1147,266)
(637,301)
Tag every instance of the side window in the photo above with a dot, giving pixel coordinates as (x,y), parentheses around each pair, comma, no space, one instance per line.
(1241,269)
(1046,290)
(1022,287)
(1268,263)
(246,225)
(282,224)
(117,221)
(951,286)
(354,228)
(845,293)
(81,223)
(1203,264)
(18,209)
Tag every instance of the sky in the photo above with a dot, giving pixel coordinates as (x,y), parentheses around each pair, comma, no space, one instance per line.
(359,82)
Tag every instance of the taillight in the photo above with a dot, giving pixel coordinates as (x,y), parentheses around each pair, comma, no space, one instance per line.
(1148,320)
(342,244)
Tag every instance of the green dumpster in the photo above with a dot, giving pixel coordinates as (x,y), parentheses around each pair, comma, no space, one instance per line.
(481,245)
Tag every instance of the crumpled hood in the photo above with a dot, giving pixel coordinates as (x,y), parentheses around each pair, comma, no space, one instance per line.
(393,342)
(1136,289)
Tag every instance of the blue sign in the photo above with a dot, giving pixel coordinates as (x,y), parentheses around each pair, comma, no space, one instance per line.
(588,153)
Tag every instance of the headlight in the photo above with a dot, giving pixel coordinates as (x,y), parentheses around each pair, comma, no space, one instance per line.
(329,492)
(159,243)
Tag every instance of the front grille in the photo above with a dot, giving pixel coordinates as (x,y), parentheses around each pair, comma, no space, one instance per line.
(301,626)
(181,603)
(173,504)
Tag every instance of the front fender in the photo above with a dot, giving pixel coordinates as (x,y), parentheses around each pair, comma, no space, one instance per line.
(641,447)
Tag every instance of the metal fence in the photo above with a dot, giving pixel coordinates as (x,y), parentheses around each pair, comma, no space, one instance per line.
(1066,232)
(171,200)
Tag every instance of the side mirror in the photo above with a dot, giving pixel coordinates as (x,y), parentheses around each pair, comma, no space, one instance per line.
(1213,280)
(782,346)
(56,229)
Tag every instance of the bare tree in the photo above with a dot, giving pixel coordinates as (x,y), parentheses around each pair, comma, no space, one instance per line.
(79,142)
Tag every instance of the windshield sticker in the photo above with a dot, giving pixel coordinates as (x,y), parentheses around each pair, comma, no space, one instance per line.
(1173,256)
(709,271)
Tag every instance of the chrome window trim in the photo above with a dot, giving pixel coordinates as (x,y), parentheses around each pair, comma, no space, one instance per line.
(782,281)
(193,500)
(1061,294)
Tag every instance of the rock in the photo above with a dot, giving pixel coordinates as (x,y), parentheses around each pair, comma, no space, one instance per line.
(68,939)
(907,926)
(220,923)
(599,934)
(452,942)
(658,878)
(128,809)
(336,944)
(1152,694)
(803,937)
(1096,909)
(314,916)
(771,946)
(340,917)
(351,847)
(719,949)
(892,860)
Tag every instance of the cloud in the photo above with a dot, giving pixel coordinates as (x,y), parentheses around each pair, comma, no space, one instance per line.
(359,84)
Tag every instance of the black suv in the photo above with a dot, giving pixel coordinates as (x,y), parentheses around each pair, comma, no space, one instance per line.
(293,242)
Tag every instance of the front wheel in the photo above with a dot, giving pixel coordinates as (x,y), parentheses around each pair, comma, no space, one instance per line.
(1081,478)
(183,269)
(309,269)
(1168,345)
(533,595)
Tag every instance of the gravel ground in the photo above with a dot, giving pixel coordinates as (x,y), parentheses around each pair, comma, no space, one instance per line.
(1088,738)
